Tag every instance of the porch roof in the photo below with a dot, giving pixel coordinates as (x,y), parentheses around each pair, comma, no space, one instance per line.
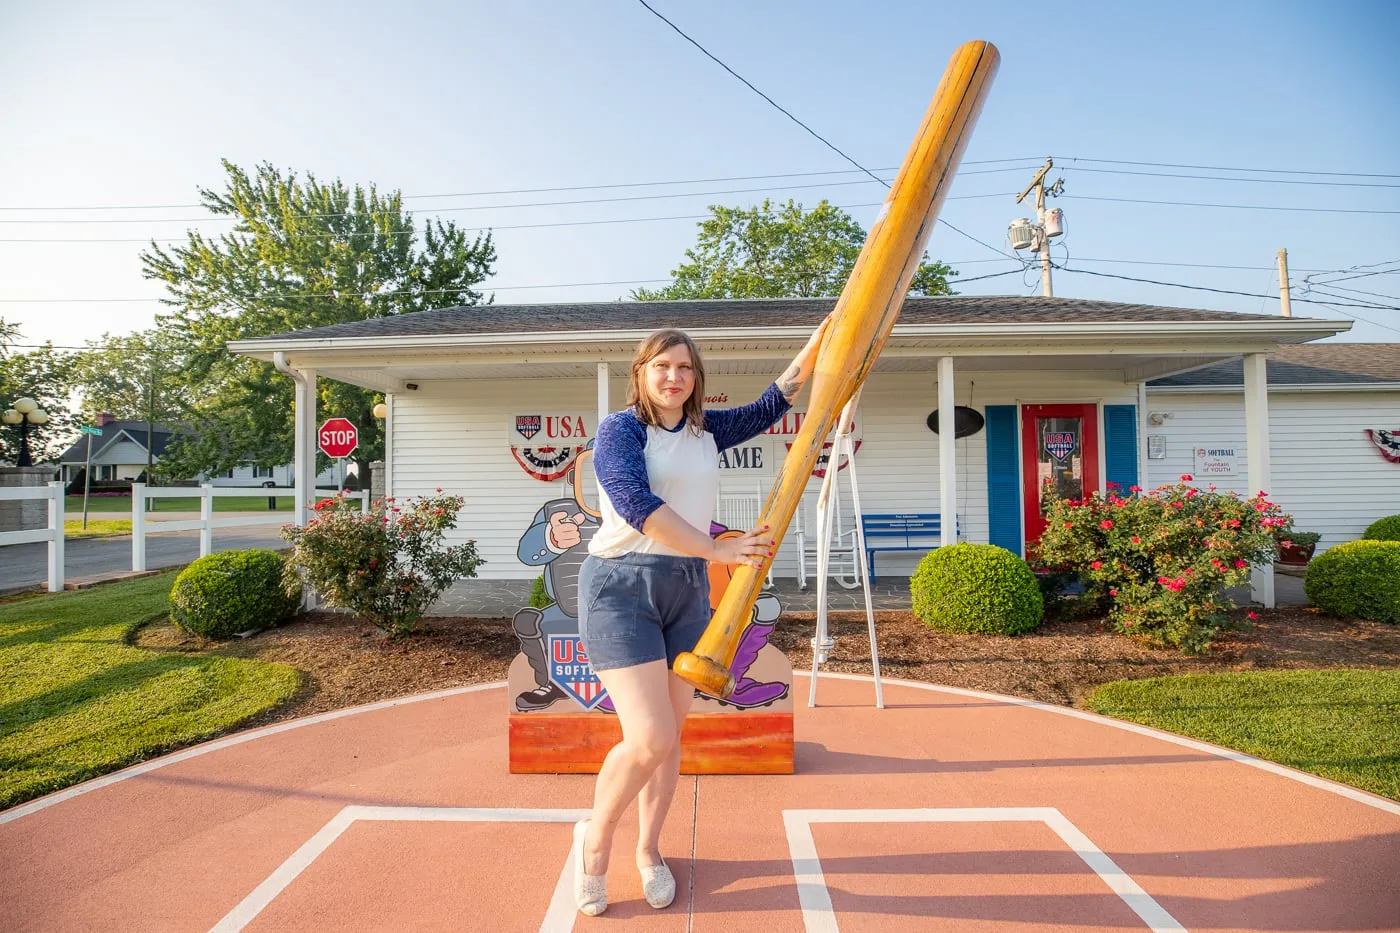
(759,336)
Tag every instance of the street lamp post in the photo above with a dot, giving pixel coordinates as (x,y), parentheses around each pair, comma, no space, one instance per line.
(25,412)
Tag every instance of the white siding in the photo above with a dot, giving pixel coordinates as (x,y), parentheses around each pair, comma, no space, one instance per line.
(1326,473)
(455,435)
(281,475)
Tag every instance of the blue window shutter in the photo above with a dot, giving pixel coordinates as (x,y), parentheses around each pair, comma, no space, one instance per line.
(1120,429)
(1003,478)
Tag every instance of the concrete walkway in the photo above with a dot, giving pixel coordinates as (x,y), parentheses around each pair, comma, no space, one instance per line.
(948,811)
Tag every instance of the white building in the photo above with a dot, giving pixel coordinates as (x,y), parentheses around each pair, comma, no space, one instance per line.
(483,400)
(1330,407)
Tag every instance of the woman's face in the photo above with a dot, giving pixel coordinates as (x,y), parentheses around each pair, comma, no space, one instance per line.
(670,378)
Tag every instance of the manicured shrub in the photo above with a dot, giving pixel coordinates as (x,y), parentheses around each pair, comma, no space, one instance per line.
(1358,578)
(539,596)
(976,588)
(1162,558)
(223,594)
(387,565)
(1383,529)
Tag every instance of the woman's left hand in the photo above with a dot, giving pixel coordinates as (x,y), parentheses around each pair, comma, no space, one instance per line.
(797,373)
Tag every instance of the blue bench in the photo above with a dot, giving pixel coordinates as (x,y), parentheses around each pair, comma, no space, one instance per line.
(900,531)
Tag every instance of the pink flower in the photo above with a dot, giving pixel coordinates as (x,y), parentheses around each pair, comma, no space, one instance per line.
(1097,565)
(1285,544)
(1106,523)
(1234,523)
(1134,489)
(1192,493)
(1186,477)
(1164,580)
(1069,524)
(1178,505)
(1112,592)
(438,489)
(1252,615)
(1136,539)
(1240,564)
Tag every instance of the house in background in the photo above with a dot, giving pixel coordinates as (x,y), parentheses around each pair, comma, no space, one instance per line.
(492,402)
(1332,409)
(120,454)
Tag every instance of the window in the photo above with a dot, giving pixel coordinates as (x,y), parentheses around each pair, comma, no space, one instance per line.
(260,472)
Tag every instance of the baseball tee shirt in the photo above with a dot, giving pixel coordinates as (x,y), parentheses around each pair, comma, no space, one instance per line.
(642,467)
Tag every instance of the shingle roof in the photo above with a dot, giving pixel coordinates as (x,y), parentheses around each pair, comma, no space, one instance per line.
(762,312)
(136,429)
(1305,364)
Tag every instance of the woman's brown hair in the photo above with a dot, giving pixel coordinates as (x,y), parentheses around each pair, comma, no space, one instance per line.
(648,350)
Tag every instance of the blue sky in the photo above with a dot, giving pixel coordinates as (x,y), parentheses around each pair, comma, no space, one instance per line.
(134,104)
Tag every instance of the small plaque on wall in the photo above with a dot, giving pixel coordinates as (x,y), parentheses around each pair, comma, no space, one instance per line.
(1156,447)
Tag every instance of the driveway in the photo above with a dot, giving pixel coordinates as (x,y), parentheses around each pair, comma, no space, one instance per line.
(26,565)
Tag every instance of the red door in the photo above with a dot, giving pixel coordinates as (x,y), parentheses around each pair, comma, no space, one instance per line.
(1059,448)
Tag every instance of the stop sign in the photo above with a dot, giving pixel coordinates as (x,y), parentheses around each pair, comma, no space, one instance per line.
(337,437)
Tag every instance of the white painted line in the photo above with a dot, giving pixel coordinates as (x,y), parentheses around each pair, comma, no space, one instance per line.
(1302,777)
(819,916)
(558,919)
(156,764)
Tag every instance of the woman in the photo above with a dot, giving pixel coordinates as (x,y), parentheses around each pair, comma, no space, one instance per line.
(644,590)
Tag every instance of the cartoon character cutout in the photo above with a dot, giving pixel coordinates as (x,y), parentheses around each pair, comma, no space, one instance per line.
(557,540)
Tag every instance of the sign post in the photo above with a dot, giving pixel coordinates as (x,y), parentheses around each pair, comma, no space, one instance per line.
(87,469)
(337,438)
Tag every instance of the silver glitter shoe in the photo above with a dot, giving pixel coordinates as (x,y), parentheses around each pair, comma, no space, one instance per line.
(658,884)
(590,891)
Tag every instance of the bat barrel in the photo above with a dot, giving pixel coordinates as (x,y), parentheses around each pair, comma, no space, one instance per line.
(864,316)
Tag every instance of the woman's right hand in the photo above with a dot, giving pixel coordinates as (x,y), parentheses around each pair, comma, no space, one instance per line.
(746,549)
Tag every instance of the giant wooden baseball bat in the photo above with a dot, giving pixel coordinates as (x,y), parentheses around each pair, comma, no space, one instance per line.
(865,313)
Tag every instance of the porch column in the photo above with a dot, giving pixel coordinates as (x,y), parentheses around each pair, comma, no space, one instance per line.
(1256,428)
(602,394)
(947,452)
(304,455)
(1142,479)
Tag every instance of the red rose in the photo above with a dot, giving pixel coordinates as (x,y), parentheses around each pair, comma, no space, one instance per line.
(1106,523)
(1186,477)
(1097,565)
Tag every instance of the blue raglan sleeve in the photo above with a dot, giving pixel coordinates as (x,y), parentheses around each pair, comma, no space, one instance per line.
(619,461)
(733,426)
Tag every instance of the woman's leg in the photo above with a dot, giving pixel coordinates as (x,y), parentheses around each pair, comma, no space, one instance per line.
(643,699)
(654,800)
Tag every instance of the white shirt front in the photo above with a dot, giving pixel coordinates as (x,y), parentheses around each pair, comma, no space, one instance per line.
(683,470)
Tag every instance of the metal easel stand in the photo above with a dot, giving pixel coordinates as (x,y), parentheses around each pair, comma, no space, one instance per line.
(827,502)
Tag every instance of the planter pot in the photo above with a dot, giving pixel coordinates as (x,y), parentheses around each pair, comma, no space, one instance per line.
(1296,556)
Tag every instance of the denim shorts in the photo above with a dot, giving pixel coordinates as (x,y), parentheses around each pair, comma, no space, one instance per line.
(638,608)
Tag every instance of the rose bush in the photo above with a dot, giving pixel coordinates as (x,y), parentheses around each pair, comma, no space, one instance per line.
(1161,559)
(387,564)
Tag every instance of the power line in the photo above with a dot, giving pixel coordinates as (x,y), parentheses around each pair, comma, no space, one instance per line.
(1220,291)
(493,207)
(1265,181)
(813,132)
(1072,160)
(504,191)
(1227,168)
(749,84)
(1246,207)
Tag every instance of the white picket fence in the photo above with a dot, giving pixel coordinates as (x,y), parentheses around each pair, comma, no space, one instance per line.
(141,525)
(53,534)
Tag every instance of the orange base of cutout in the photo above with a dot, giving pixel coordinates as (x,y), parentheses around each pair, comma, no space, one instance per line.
(712,743)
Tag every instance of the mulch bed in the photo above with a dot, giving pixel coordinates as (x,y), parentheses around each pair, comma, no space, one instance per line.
(348,662)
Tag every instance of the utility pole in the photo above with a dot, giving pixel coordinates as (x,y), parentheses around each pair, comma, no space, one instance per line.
(1283,283)
(1048,224)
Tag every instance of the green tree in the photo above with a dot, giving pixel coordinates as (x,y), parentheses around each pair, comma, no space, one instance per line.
(782,252)
(302,254)
(43,375)
(9,333)
(136,377)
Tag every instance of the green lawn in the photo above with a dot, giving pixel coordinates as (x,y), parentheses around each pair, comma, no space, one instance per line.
(73,505)
(96,527)
(1339,724)
(76,701)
